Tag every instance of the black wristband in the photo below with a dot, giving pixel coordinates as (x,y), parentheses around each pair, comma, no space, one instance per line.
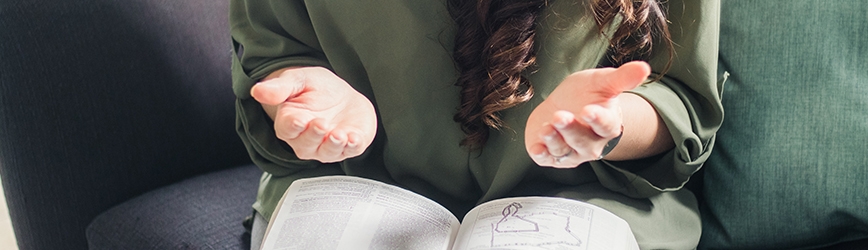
(611,144)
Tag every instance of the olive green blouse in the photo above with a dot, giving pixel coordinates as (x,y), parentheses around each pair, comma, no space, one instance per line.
(398,54)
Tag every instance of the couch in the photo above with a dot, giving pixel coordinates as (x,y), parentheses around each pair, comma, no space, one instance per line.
(120,115)
(790,165)
(116,127)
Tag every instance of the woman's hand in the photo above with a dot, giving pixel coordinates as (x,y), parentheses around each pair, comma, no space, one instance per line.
(317,113)
(582,114)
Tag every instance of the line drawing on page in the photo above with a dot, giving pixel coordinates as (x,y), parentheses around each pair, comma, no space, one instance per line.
(539,230)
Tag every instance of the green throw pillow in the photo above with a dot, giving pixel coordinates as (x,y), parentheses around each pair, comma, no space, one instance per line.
(790,165)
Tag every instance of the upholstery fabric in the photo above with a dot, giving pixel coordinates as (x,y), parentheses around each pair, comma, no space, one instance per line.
(103,100)
(790,165)
(204,212)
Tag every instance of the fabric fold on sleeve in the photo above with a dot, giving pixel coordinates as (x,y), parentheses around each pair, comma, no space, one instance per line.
(687,98)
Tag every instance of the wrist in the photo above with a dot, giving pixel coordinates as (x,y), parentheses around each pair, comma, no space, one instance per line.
(611,144)
(644,133)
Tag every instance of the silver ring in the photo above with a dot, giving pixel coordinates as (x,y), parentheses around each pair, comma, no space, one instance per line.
(559,158)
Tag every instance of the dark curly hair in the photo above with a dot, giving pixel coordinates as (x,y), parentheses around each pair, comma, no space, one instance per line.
(494,45)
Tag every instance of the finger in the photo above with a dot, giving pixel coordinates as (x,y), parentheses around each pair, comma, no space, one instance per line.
(540,155)
(289,123)
(553,141)
(626,77)
(307,143)
(354,147)
(572,159)
(332,149)
(606,123)
(278,90)
(576,135)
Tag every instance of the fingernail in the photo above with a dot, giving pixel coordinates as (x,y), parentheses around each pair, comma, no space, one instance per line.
(318,130)
(351,143)
(560,124)
(334,139)
(298,124)
(589,118)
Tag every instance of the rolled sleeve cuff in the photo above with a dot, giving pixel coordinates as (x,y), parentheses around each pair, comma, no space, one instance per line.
(671,170)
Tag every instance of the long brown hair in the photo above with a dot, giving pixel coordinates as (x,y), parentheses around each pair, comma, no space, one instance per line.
(494,46)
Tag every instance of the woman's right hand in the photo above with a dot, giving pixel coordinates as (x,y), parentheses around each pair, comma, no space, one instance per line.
(317,113)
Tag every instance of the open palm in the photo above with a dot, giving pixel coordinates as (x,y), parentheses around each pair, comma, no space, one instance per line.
(574,123)
(318,114)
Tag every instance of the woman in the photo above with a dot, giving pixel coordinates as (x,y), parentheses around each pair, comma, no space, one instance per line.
(468,101)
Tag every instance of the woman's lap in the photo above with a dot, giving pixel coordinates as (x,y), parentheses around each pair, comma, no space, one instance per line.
(666,221)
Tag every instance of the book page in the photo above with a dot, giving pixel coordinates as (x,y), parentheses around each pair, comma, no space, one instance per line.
(343,212)
(543,223)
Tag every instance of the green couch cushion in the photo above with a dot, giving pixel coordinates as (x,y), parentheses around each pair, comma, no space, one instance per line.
(790,165)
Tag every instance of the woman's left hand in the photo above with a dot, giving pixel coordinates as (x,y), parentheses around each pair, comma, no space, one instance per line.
(582,114)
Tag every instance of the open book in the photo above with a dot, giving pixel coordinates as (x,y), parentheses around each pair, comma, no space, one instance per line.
(343,212)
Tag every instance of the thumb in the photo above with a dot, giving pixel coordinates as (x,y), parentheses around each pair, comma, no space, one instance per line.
(278,90)
(626,77)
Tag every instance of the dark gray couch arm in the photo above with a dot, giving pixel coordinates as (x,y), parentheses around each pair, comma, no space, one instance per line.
(101,101)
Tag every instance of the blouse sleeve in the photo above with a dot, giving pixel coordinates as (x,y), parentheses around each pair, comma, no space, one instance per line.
(688,100)
(263,42)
